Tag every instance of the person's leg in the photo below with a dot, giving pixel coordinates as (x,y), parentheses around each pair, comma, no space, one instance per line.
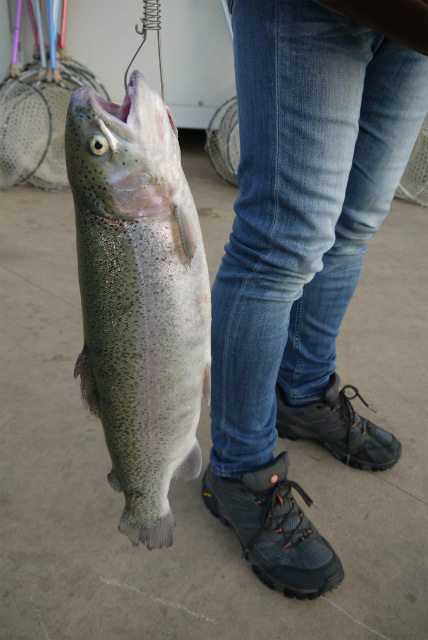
(310,403)
(394,105)
(300,70)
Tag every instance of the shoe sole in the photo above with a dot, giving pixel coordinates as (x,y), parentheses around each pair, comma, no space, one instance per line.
(350,461)
(212,504)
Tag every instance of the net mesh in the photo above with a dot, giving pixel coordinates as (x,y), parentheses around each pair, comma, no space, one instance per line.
(32,122)
(25,131)
(217,140)
(414,182)
(233,149)
(51,175)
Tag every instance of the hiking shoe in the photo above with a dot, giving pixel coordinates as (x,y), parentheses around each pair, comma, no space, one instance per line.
(283,546)
(334,424)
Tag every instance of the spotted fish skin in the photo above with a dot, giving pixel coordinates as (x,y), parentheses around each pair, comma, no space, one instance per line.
(145,299)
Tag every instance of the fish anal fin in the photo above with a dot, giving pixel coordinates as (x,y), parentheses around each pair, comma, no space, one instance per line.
(87,386)
(156,534)
(191,466)
(114,481)
(187,233)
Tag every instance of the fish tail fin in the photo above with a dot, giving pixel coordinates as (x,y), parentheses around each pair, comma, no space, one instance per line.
(87,386)
(156,534)
(191,466)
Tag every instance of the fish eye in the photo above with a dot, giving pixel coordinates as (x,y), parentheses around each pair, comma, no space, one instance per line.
(98,145)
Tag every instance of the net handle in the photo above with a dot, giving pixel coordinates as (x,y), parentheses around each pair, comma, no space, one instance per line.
(41,36)
(63,24)
(16,36)
(33,22)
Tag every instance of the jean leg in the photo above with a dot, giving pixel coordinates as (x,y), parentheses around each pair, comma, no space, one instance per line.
(310,353)
(394,105)
(300,71)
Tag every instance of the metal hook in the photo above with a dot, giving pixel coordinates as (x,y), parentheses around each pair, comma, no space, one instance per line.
(150,21)
(144,34)
(143,28)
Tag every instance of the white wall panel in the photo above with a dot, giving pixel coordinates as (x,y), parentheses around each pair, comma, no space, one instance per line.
(196,50)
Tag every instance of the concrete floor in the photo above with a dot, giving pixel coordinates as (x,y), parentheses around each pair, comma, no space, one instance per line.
(68,574)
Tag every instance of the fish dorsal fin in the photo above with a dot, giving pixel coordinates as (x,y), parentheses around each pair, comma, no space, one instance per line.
(187,234)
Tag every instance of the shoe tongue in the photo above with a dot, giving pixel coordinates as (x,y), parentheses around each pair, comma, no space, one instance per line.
(267,477)
(331,392)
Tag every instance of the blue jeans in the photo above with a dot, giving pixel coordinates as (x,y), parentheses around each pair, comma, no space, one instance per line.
(329,111)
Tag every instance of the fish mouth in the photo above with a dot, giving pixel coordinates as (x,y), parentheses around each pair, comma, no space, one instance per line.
(121,112)
(139,111)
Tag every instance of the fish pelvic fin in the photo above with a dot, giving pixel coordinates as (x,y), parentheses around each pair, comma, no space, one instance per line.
(187,234)
(156,534)
(87,386)
(191,466)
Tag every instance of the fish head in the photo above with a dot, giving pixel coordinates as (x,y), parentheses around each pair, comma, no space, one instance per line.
(123,161)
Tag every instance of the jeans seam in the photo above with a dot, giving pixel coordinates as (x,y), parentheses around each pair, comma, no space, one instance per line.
(277,132)
(296,341)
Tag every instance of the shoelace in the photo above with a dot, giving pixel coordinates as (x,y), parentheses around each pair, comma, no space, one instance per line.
(279,494)
(350,415)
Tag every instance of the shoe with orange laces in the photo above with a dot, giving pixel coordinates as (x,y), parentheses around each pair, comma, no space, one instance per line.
(282,545)
(333,423)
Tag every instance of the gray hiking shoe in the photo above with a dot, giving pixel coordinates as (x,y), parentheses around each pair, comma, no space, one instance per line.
(333,423)
(283,546)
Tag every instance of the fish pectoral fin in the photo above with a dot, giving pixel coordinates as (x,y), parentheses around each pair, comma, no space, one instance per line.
(156,534)
(206,384)
(187,233)
(87,386)
(191,466)
(114,481)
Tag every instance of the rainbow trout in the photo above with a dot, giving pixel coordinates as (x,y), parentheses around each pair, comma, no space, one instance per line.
(145,298)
